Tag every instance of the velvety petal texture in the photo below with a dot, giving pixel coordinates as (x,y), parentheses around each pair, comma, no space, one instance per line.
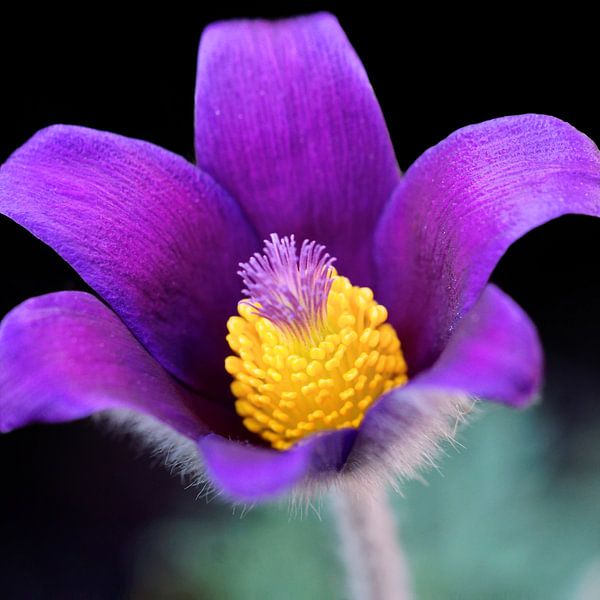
(287,122)
(66,355)
(289,139)
(146,229)
(248,474)
(458,209)
(495,353)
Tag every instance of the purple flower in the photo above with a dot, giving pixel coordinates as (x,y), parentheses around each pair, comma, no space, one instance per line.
(290,140)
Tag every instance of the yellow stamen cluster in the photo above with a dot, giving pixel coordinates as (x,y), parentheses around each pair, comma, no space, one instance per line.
(287,388)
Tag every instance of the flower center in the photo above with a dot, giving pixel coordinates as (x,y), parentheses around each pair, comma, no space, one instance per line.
(313,351)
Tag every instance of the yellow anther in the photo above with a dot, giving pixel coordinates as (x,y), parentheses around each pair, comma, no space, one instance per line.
(252,369)
(347,393)
(307,427)
(236,325)
(350,375)
(326,383)
(360,383)
(243,408)
(322,396)
(364,337)
(275,426)
(373,357)
(374,338)
(261,418)
(377,314)
(317,353)
(331,417)
(244,340)
(268,337)
(361,360)
(349,338)
(266,388)
(316,415)
(332,364)
(274,375)
(314,369)
(299,377)
(365,403)
(346,320)
(386,337)
(247,312)
(333,339)
(361,304)
(280,415)
(262,400)
(381,364)
(239,389)
(375,381)
(233,365)
(346,408)
(253,381)
(253,425)
(296,363)
(327,347)
(309,389)
(287,388)
(339,353)
(233,342)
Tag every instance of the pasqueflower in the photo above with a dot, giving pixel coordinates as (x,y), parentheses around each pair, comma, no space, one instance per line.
(350,368)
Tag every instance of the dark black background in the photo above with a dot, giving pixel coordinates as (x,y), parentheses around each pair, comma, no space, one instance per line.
(71,496)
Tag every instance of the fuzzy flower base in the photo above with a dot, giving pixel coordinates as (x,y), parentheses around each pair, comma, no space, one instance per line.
(425,437)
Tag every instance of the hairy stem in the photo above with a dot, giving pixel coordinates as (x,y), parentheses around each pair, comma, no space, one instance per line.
(375,564)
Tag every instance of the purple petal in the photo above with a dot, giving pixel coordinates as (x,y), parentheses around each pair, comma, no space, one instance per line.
(287,121)
(248,474)
(157,238)
(495,354)
(459,208)
(65,356)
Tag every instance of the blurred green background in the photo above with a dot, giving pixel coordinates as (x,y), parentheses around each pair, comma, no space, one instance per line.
(512,513)
(499,520)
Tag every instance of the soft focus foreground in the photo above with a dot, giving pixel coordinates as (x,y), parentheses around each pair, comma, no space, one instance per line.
(496,522)
(502,519)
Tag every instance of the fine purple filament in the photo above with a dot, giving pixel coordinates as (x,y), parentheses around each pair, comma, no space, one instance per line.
(288,290)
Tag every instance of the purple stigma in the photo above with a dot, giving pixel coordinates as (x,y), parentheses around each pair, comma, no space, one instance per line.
(288,290)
